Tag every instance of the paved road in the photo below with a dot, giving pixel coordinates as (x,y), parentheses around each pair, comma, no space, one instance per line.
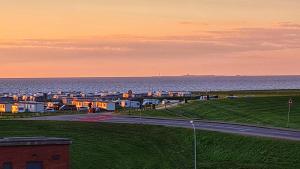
(211,126)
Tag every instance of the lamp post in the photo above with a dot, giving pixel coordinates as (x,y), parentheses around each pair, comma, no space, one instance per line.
(289,111)
(195,144)
(140,116)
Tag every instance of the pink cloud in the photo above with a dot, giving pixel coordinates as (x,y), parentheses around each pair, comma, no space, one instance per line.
(261,48)
(289,25)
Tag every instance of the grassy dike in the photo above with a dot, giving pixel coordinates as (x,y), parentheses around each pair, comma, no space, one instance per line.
(11,116)
(263,110)
(121,146)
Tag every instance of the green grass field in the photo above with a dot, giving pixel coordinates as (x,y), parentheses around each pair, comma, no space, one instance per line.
(121,146)
(6,116)
(267,111)
(257,93)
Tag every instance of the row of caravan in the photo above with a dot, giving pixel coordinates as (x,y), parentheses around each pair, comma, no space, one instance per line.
(39,107)
(111,105)
(22,107)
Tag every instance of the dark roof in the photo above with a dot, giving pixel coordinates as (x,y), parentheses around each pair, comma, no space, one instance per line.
(32,141)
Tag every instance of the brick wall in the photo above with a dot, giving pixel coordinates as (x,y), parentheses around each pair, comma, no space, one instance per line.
(52,156)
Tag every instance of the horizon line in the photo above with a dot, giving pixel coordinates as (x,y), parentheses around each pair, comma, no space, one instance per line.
(70,77)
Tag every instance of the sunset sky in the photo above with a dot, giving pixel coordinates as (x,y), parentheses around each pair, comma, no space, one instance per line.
(87,38)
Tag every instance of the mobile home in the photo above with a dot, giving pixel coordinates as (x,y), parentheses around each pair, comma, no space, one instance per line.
(130,104)
(150,102)
(18,108)
(106,105)
(33,107)
(5,107)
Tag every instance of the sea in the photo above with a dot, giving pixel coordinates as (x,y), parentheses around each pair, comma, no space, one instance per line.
(145,84)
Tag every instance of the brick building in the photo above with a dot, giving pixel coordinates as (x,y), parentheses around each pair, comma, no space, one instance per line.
(34,153)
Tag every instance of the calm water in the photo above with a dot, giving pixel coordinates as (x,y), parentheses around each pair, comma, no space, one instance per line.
(145,84)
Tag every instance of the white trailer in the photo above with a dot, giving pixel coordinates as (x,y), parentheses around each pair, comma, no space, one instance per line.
(150,102)
(130,104)
(5,107)
(33,107)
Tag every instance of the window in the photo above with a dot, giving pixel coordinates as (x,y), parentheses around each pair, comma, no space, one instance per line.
(34,165)
(7,165)
(56,157)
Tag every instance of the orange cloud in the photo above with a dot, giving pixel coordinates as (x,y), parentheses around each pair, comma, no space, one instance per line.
(255,51)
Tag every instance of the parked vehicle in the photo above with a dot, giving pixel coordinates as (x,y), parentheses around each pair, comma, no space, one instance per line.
(50,110)
(83,109)
(68,108)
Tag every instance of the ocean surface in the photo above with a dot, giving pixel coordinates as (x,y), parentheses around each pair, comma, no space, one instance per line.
(144,84)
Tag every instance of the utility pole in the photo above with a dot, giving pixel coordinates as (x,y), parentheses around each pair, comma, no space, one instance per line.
(289,111)
(140,116)
(195,144)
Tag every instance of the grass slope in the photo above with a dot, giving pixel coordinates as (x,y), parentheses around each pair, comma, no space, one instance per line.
(283,92)
(121,146)
(270,111)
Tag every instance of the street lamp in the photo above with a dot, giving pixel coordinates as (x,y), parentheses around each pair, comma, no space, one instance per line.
(290,104)
(195,143)
(140,116)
